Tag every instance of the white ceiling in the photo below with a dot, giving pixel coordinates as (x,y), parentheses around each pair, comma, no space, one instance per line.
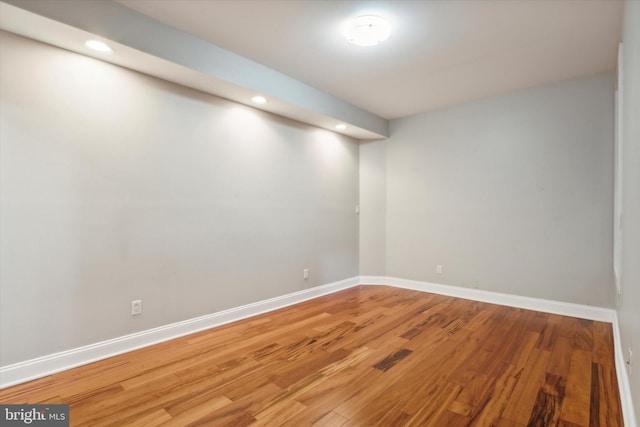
(152,47)
(441,52)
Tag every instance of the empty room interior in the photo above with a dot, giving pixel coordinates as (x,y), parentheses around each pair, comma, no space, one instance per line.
(327,213)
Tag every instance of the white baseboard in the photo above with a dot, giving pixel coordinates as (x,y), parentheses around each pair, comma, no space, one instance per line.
(626,400)
(42,366)
(36,368)
(547,306)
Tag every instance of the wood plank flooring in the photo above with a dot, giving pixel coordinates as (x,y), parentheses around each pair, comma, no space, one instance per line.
(366,356)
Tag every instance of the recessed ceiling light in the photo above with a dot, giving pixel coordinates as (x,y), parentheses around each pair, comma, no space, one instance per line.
(368,30)
(259,99)
(341,126)
(98,46)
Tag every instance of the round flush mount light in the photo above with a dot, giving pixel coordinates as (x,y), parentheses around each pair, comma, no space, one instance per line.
(368,30)
(259,99)
(341,126)
(98,46)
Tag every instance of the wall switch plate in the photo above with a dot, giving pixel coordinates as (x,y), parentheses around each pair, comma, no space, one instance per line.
(305,273)
(136,307)
(438,269)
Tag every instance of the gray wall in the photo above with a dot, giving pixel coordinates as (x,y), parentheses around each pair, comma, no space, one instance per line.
(510,194)
(117,186)
(373,207)
(628,310)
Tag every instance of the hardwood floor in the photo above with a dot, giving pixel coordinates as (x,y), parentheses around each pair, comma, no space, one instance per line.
(370,355)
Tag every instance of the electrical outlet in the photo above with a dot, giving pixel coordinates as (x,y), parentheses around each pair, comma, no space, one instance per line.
(438,269)
(305,273)
(630,362)
(136,307)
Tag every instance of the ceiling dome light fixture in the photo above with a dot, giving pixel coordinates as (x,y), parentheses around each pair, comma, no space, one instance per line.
(368,30)
(98,46)
(259,99)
